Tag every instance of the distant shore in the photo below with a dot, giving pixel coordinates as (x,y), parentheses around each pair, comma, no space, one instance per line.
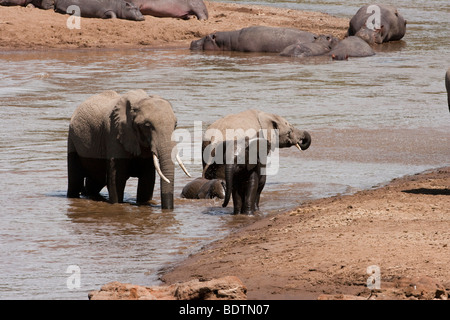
(33,29)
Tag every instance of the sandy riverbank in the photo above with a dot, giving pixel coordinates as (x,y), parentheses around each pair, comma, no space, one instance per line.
(325,246)
(32,28)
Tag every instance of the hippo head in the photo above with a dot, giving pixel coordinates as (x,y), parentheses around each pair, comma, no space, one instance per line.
(371,36)
(327,40)
(207,43)
(131,12)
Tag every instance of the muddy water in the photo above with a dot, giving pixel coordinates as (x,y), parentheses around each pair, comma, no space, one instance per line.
(371,119)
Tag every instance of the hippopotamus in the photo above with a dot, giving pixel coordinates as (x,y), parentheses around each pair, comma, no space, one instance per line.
(173,8)
(352,46)
(102,9)
(320,46)
(253,39)
(41,4)
(392,25)
(202,188)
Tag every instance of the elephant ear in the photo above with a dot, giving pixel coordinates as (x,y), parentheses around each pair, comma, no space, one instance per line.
(270,122)
(123,116)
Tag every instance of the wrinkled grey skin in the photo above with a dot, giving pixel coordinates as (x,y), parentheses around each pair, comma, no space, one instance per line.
(447,86)
(393,25)
(243,174)
(253,39)
(351,47)
(255,122)
(114,137)
(320,46)
(182,9)
(202,188)
(41,4)
(104,9)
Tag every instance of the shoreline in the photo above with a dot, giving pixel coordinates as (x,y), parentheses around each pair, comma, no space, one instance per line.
(53,33)
(325,246)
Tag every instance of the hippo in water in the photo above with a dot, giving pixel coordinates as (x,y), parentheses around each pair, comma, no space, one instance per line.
(392,25)
(351,47)
(320,46)
(102,9)
(253,39)
(173,8)
(41,4)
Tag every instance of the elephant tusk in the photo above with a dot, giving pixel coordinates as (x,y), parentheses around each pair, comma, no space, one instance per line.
(298,146)
(182,166)
(158,169)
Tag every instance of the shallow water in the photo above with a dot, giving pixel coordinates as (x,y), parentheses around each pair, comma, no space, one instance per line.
(371,119)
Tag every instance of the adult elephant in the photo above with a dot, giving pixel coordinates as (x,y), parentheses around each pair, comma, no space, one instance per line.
(113,137)
(447,86)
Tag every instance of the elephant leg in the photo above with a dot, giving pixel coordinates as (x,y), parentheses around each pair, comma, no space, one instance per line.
(75,175)
(93,188)
(146,182)
(117,178)
(238,198)
(261,184)
(251,192)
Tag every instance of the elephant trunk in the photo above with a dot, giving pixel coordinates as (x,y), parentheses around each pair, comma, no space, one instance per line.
(167,168)
(305,141)
(229,174)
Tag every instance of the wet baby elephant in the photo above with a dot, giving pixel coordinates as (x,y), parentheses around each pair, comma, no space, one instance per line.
(253,39)
(202,188)
(182,9)
(104,9)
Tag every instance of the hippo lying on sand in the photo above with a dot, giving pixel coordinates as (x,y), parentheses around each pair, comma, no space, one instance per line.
(351,47)
(173,8)
(320,46)
(102,9)
(253,39)
(41,4)
(392,26)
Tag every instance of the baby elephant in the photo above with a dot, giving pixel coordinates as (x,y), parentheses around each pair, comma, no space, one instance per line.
(202,188)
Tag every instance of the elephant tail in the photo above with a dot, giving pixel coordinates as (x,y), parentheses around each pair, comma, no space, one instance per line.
(229,173)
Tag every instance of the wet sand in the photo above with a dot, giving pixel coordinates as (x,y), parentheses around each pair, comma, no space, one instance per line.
(325,246)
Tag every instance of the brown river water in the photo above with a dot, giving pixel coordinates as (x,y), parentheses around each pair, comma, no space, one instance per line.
(371,120)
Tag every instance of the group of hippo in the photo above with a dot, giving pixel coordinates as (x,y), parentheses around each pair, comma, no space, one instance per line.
(121,9)
(298,43)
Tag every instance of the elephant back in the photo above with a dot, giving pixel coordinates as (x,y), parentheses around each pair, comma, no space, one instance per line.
(89,123)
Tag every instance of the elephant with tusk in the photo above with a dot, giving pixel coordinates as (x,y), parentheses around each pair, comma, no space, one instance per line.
(114,137)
